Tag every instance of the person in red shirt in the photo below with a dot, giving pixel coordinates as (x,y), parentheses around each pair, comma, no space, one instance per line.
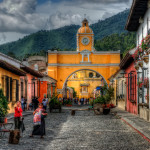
(18,115)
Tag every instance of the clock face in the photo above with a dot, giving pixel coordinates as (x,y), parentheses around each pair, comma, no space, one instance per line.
(85,40)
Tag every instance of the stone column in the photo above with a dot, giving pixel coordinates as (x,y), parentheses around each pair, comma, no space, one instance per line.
(65,90)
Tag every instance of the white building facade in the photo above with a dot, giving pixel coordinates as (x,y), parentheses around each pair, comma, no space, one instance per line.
(139,22)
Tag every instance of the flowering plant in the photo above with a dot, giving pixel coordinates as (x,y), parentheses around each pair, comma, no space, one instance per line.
(140,83)
(147,96)
(146,82)
(112,105)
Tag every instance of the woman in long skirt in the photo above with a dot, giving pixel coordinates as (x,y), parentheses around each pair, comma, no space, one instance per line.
(39,121)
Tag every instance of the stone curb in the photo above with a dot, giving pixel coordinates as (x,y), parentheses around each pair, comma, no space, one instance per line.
(133,126)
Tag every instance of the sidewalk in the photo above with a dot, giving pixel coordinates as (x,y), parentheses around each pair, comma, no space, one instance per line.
(140,125)
(25,113)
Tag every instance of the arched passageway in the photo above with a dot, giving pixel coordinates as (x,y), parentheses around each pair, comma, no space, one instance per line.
(85,82)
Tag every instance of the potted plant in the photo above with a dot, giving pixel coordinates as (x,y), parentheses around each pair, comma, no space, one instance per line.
(105,98)
(146,59)
(137,67)
(98,105)
(140,63)
(146,82)
(140,84)
(3,107)
(140,50)
(147,97)
(54,103)
(108,96)
(112,106)
(68,103)
(91,103)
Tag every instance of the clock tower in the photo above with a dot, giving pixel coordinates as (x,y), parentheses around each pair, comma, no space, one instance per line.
(85,37)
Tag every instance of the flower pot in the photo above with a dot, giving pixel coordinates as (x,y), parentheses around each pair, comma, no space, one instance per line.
(140,63)
(98,109)
(146,59)
(106,111)
(68,105)
(146,105)
(137,67)
(5,120)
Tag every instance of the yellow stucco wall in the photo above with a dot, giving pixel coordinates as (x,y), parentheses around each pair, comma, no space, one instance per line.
(4,72)
(76,58)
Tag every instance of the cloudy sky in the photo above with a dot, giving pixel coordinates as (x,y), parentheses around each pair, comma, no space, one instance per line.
(22,17)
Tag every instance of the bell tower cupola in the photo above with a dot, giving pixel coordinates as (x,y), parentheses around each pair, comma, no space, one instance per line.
(85,23)
(85,37)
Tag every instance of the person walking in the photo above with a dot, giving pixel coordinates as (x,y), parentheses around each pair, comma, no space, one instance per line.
(39,121)
(45,102)
(18,115)
(82,101)
(35,103)
(25,104)
(22,103)
(31,106)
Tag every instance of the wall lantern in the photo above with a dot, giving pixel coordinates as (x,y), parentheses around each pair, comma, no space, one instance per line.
(53,84)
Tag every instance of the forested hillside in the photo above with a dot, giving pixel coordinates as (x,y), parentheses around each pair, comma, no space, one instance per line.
(109,35)
(122,42)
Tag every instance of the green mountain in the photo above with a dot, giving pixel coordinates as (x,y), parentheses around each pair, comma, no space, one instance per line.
(65,38)
(122,42)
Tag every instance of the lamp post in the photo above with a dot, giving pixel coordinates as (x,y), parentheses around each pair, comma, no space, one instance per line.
(53,85)
(33,81)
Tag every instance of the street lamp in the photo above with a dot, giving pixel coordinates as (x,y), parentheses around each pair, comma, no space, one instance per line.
(53,85)
(33,81)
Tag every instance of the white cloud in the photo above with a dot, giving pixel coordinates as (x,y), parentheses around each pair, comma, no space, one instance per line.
(94,9)
(22,17)
(58,20)
(19,16)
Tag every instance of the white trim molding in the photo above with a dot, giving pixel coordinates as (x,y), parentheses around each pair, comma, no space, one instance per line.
(79,65)
(77,52)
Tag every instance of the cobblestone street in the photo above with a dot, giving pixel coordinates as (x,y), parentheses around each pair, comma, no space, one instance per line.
(84,131)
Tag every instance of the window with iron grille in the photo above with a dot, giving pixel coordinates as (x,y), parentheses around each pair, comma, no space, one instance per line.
(3,84)
(7,87)
(17,90)
(25,89)
(11,82)
(22,90)
(132,87)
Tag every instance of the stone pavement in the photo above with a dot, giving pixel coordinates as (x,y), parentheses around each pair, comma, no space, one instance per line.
(135,121)
(84,131)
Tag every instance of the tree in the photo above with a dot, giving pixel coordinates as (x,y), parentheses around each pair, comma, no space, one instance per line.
(74,92)
(3,105)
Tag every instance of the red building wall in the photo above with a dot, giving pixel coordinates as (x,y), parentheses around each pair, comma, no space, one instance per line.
(43,90)
(30,88)
(131,105)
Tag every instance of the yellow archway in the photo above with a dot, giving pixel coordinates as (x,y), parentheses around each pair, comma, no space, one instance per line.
(88,85)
